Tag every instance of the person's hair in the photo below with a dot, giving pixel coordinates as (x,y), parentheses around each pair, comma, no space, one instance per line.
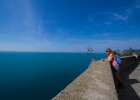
(108,49)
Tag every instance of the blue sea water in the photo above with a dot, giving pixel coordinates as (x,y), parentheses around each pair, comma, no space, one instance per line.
(39,75)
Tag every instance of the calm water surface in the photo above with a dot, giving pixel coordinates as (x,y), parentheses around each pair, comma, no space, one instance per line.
(39,76)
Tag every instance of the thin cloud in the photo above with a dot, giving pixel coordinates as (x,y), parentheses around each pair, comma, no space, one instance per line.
(102,34)
(129,11)
(29,16)
(24,12)
(107,23)
(88,28)
(121,33)
(131,27)
(90,19)
(105,34)
(50,21)
(25,16)
(137,6)
(39,29)
(46,41)
(119,17)
(74,40)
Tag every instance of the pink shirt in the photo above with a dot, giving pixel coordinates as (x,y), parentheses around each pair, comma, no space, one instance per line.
(113,61)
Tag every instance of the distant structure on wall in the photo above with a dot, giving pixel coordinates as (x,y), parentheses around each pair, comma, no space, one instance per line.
(90,53)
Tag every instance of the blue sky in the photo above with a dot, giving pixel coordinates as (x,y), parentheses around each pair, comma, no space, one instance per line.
(69,25)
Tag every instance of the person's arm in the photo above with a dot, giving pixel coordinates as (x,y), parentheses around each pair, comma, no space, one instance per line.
(109,58)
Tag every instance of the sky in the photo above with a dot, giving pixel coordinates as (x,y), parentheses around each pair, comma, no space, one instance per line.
(69,25)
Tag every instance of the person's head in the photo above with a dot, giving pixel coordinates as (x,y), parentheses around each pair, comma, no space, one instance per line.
(133,52)
(108,51)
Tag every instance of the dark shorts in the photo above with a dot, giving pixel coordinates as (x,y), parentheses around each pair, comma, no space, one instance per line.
(116,68)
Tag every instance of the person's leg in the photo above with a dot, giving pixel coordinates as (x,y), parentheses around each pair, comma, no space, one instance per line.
(118,77)
(120,84)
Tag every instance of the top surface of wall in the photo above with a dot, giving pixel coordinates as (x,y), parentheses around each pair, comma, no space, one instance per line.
(96,83)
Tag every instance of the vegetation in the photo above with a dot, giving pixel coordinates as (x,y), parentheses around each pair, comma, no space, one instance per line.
(90,53)
(127,52)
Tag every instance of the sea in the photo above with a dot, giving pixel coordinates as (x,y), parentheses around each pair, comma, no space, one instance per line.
(40,75)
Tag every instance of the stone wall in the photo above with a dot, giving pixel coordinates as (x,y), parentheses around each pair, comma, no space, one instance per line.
(127,62)
(96,83)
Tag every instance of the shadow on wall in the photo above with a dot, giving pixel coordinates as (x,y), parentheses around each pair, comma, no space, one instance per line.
(126,63)
(129,78)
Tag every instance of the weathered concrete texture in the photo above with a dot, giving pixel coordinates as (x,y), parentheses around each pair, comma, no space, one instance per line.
(96,83)
(131,80)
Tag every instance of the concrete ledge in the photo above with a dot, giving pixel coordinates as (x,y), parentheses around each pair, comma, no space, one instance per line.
(96,83)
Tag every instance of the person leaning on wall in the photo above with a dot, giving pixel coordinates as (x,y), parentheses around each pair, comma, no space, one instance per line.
(136,57)
(114,66)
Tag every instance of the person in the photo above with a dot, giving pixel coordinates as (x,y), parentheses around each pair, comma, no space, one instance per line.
(114,66)
(136,56)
